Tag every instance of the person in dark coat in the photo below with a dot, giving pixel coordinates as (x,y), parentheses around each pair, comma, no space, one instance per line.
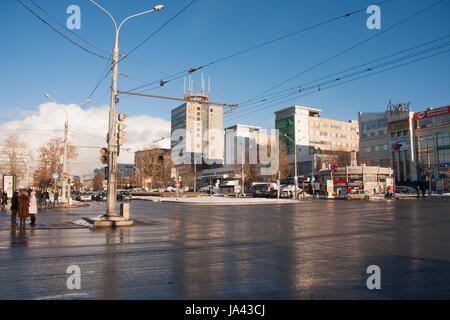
(4,200)
(24,208)
(14,208)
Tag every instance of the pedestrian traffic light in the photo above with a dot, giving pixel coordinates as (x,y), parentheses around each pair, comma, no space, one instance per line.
(104,155)
(120,129)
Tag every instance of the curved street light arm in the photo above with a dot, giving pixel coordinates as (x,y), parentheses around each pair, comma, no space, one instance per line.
(132,16)
(114,21)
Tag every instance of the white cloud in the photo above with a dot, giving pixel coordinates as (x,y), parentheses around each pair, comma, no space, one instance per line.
(87,127)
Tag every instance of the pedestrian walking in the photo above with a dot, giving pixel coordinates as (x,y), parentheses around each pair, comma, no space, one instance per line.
(46,197)
(39,197)
(56,199)
(14,208)
(33,207)
(24,207)
(4,200)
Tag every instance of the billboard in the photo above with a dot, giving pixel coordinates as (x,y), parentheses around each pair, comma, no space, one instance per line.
(9,184)
(432,113)
(287,126)
(400,143)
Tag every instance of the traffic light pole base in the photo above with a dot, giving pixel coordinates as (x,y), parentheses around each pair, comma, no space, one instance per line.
(109,221)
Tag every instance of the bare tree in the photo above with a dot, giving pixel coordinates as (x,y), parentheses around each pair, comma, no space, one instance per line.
(50,162)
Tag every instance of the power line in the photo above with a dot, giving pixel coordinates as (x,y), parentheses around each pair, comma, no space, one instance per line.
(191,70)
(159,29)
(347,49)
(302,87)
(342,83)
(60,33)
(64,27)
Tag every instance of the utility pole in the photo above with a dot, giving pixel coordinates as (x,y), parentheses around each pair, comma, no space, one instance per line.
(295,163)
(243,174)
(64,176)
(111,137)
(429,170)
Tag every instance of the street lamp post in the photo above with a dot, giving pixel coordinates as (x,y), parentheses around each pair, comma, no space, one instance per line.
(65,196)
(111,138)
(242,170)
(295,162)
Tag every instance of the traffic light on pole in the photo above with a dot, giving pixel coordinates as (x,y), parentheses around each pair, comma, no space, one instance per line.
(120,129)
(104,155)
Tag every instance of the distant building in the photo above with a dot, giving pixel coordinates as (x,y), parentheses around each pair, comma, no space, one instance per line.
(201,127)
(318,140)
(415,144)
(23,161)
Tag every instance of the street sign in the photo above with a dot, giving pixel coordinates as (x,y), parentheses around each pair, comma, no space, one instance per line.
(177,185)
(295,179)
(217,181)
(313,179)
(278,181)
(55,176)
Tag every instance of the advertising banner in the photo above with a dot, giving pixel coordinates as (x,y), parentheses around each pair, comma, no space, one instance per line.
(286,126)
(8,185)
(400,143)
(432,113)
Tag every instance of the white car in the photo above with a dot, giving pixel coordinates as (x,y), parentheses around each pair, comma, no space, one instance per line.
(85,197)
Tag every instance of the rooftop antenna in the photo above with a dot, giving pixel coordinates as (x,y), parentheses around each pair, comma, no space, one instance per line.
(184,90)
(189,90)
(203,85)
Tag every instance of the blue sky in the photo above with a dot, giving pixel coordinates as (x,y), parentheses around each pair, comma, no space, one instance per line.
(36,60)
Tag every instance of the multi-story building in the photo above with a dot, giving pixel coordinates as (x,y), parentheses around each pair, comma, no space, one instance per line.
(197,130)
(21,160)
(415,144)
(318,140)
(432,145)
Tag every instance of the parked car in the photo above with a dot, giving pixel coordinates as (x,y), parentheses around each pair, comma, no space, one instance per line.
(359,194)
(124,195)
(405,189)
(85,196)
(101,196)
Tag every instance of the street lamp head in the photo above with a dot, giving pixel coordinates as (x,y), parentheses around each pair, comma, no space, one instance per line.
(47,95)
(158,7)
(87,101)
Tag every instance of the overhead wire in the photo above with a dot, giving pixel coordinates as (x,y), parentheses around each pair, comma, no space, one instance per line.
(191,70)
(338,84)
(347,49)
(301,87)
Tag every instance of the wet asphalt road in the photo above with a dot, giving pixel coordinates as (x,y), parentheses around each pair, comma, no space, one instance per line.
(316,249)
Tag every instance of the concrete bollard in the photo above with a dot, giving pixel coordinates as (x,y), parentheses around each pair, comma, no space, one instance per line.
(125,210)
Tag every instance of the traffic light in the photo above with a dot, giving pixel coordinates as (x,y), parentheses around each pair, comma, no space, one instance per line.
(120,129)
(104,155)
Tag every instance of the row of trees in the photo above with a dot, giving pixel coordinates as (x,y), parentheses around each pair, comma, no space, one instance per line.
(18,160)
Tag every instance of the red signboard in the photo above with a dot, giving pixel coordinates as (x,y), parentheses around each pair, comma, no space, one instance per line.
(432,113)
(177,185)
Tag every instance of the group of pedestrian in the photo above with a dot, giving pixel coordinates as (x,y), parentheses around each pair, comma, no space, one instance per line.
(24,205)
(43,198)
